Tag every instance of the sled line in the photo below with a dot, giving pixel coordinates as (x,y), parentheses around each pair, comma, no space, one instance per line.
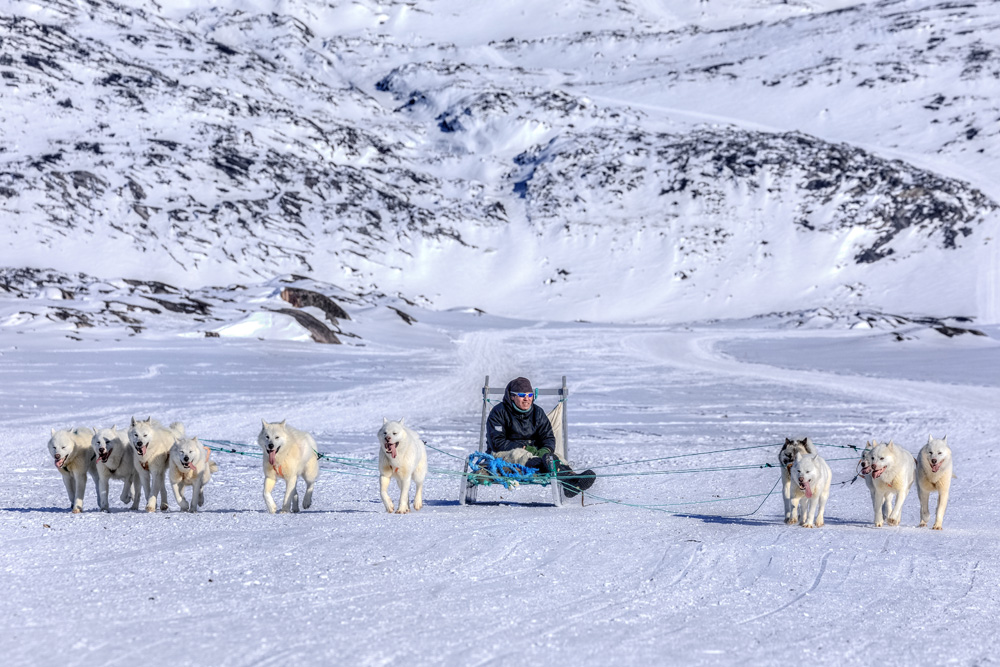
(714,451)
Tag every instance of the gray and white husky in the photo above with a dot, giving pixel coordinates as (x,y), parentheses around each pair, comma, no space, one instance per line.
(786,457)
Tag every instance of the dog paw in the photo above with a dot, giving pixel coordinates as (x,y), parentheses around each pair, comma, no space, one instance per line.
(893,522)
(76,510)
(789,520)
(808,525)
(936,526)
(820,524)
(403,510)
(878,524)
(922,524)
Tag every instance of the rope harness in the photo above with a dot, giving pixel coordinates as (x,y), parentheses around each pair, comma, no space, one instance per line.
(487,470)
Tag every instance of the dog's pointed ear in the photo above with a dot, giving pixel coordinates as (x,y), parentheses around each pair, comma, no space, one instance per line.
(945,439)
(788,441)
(282,422)
(401,422)
(384,421)
(53,431)
(263,423)
(94,429)
(798,455)
(809,446)
(133,420)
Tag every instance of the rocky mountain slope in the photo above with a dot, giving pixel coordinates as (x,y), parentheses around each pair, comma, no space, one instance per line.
(608,160)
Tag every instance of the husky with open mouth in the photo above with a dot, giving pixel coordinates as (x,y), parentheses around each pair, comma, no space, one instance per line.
(70,449)
(115,461)
(401,457)
(190,465)
(786,457)
(152,442)
(288,453)
(934,473)
(865,472)
(811,478)
(893,472)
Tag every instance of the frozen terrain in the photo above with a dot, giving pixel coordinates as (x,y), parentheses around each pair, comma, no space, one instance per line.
(727,222)
(711,575)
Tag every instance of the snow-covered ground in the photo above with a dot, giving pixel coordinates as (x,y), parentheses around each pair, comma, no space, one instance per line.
(710,575)
(727,222)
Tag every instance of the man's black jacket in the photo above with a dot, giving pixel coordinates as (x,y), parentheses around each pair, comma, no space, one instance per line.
(508,428)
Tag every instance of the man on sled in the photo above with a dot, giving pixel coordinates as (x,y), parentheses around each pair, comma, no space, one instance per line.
(518,431)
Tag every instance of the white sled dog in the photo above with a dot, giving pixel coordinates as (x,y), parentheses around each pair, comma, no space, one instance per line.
(114,461)
(190,465)
(152,443)
(402,457)
(288,453)
(934,473)
(811,477)
(74,460)
(786,457)
(865,472)
(893,472)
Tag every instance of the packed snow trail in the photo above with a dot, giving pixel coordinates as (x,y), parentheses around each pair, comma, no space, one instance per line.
(511,580)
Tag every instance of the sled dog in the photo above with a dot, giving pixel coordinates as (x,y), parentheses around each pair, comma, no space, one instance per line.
(114,461)
(74,460)
(934,473)
(893,472)
(811,478)
(786,457)
(190,465)
(152,443)
(288,453)
(402,457)
(865,472)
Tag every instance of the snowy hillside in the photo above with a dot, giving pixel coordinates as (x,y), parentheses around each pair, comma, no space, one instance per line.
(606,161)
(726,222)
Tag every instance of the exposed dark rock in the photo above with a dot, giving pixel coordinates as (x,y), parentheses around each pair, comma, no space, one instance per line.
(300,298)
(184,305)
(319,331)
(409,319)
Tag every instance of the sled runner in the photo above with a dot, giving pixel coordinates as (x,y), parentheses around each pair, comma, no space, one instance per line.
(481,469)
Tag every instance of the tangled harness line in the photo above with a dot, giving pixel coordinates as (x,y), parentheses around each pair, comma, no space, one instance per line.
(485,470)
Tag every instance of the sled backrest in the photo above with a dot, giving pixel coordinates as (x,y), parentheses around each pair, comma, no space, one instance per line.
(557,416)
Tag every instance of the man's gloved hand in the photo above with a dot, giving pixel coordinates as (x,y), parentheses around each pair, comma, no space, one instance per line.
(549,461)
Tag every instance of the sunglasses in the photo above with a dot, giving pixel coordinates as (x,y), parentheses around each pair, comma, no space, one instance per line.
(522,394)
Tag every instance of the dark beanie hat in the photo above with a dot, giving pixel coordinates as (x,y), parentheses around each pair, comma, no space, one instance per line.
(521,385)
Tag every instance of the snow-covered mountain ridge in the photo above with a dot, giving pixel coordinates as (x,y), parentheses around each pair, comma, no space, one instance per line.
(610,161)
